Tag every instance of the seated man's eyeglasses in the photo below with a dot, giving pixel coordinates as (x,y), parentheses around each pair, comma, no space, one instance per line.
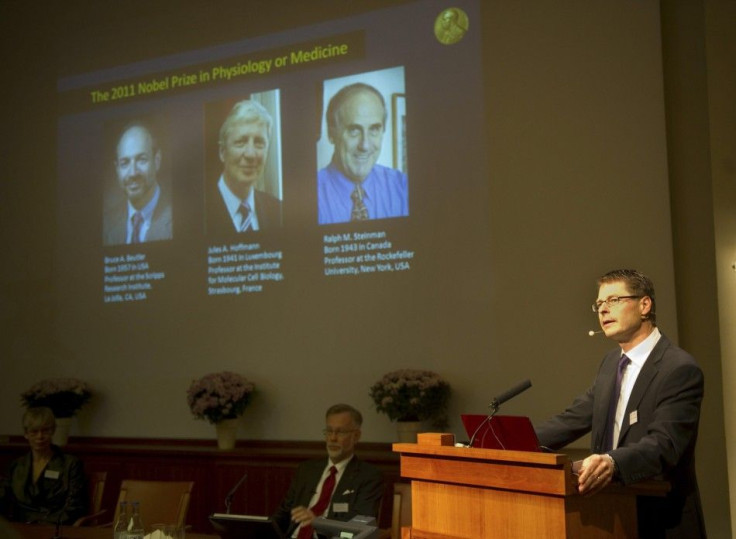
(611,302)
(340,433)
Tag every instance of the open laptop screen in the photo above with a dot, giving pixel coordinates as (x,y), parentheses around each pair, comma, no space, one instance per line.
(245,527)
(501,432)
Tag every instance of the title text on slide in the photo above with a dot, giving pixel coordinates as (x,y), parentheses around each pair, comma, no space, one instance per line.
(219,72)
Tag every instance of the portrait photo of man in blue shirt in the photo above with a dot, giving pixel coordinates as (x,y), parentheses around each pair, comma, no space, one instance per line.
(354,187)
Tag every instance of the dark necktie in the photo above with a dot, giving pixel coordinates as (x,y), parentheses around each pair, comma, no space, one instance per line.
(246,217)
(622,364)
(137,220)
(360,212)
(318,508)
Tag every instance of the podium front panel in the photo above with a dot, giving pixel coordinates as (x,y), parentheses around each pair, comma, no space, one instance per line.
(471,512)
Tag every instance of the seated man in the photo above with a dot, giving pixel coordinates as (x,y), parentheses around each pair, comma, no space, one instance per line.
(339,487)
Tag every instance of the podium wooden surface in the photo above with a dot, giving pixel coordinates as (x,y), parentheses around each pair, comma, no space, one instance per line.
(460,493)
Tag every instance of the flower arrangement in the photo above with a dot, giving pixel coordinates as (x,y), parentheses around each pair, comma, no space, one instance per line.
(65,396)
(218,396)
(412,395)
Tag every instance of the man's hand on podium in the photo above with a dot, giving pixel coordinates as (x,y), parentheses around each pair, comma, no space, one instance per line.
(596,473)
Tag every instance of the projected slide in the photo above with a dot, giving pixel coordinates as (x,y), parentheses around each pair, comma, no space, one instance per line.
(338,151)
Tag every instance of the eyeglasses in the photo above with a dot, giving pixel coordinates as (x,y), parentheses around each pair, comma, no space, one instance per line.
(611,302)
(340,433)
(45,431)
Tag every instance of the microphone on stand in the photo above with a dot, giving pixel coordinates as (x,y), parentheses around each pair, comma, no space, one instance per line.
(508,395)
(475,433)
(498,401)
(231,494)
(57,529)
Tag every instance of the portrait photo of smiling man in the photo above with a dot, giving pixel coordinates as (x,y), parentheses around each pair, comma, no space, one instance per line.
(139,209)
(239,202)
(355,186)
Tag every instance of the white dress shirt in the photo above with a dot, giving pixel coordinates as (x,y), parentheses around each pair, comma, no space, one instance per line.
(638,356)
(233,203)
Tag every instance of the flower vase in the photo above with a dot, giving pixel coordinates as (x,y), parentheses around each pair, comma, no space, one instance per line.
(61,434)
(227,431)
(407,431)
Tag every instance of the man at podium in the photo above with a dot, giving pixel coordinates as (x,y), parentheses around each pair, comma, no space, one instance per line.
(642,411)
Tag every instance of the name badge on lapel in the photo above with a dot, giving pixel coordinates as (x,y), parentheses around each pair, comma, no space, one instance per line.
(51,474)
(340,507)
(633,417)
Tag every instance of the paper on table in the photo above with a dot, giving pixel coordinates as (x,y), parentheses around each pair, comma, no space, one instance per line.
(160,534)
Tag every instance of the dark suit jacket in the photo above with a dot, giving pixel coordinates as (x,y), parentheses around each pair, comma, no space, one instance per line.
(115,221)
(268,209)
(59,495)
(360,488)
(660,444)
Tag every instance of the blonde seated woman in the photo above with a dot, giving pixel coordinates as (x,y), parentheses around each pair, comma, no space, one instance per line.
(46,485)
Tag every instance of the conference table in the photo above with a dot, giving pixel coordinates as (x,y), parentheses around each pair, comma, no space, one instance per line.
(37,531)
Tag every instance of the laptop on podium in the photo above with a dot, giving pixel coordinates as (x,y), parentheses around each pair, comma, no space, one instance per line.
(501,432)
(245,526)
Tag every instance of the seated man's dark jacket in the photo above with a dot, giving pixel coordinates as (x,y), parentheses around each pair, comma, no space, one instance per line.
(360,488)
(52,499)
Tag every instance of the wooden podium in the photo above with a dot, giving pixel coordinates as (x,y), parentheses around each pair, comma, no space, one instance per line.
(464,493)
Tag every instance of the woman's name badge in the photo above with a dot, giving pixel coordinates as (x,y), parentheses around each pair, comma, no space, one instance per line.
(51,474)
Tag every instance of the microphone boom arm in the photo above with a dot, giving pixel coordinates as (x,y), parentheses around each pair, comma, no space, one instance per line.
(508,395)
(231,494)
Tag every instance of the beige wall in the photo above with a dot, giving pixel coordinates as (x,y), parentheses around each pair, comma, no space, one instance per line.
(698,52)
(721,54)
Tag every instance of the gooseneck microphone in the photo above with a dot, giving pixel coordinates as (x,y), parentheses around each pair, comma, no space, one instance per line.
(57,528)
(231,494)
(498,401)
(508,395)
(591,332)
(477,430)
(62,514)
